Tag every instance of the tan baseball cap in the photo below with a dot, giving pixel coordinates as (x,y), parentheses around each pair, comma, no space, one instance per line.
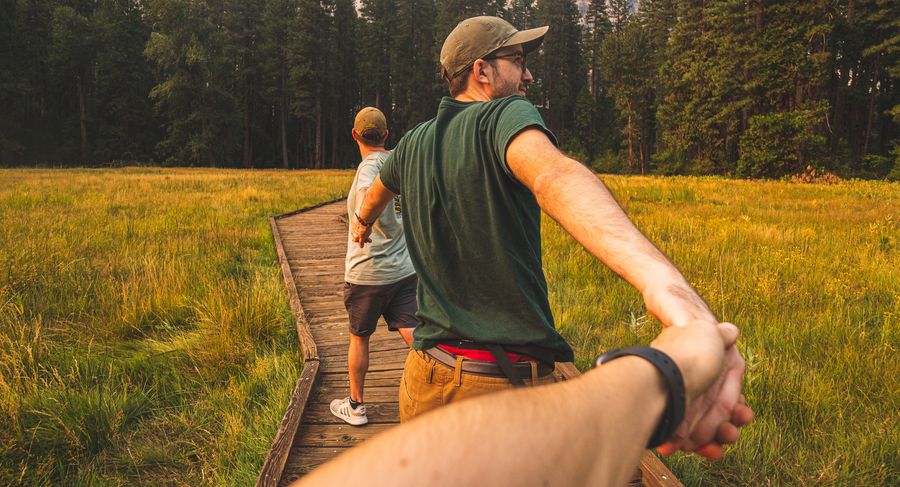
(369,118)
(477,37)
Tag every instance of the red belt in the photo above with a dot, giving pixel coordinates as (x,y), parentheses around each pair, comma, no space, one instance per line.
(483,355)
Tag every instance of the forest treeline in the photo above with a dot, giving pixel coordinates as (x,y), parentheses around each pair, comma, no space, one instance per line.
(748,88)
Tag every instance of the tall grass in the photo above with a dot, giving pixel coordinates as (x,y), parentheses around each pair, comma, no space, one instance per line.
(809,274)
(145,337)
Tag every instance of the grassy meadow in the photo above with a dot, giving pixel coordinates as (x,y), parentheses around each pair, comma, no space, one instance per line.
(810,274)
(145,337)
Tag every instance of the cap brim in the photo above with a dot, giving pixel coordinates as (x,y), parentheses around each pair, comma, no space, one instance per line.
(530,39)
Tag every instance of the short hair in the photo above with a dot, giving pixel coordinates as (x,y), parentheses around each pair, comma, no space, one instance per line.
(460,82)
(372,137)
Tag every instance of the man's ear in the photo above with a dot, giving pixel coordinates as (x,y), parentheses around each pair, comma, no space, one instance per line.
(353,134)
(383,140)
(478,69)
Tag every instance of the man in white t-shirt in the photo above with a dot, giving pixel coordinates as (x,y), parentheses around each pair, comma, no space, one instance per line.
(380,279)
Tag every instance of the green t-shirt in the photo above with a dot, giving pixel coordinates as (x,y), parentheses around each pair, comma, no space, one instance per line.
(473,231)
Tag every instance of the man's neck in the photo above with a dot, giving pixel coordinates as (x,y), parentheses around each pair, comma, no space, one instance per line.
(474,92)
(365,150)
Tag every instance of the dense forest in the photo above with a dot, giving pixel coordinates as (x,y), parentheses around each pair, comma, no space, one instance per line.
(747,88)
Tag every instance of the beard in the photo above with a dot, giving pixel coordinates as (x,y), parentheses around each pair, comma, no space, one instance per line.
(505,87)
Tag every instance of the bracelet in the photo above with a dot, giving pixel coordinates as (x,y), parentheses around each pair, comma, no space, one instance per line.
(675,401)
(361,221)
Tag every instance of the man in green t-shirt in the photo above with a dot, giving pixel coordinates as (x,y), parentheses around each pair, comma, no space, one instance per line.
(474,181)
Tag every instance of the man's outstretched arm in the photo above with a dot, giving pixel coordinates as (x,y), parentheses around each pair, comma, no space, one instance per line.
(573,196)
(587,431)
(579,201)
(375,199)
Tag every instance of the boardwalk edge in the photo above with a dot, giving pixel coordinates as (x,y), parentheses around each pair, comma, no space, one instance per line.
(273,467)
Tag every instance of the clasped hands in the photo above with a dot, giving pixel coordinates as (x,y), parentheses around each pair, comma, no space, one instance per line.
(713,370)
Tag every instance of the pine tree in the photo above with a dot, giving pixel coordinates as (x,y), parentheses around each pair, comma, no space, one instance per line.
(415,86)
(559,68)
(596,120)
(72,57)
(521,14)
(452,12)
(629,78)
(378,34)
(278,21)
(194,97)
(241,37)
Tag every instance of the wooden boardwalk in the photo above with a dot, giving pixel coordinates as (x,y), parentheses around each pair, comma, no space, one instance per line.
(311,245)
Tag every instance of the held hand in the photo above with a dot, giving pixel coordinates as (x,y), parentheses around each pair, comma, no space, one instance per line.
(716,408)
(360,234)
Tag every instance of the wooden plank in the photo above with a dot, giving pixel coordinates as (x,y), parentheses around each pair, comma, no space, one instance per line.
(376,341)
(284,438)
(304,459)
(307,344)
(656,474)
(385,350)
(342,376)
(335,435)
(309,208)
(392,381)
(378,413)
(391,362)
(373,394)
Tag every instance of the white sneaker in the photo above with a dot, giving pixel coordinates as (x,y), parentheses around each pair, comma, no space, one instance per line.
(341,408)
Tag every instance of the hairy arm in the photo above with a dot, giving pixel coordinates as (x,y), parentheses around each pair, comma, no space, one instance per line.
(588,431)
(369,204)
(573,196)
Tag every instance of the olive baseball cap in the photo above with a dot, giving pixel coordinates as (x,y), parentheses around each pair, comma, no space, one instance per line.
(369,118)
(477,37)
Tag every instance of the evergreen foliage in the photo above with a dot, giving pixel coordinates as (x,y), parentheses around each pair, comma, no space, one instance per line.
(667,86)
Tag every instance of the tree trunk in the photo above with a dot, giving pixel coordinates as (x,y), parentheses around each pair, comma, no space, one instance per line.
(282,109)
(334,136)
(82,117)
(871,110)
(630,131)
(318,155)
(248,120)
(837,122)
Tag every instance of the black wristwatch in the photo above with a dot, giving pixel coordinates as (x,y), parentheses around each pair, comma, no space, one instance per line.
(675,402)
(361,221)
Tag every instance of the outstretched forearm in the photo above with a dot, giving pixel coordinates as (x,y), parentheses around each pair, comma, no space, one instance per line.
(368,207)
(573,196)
(589,431)
(376,198)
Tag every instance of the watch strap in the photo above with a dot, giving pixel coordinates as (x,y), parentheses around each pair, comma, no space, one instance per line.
(676,399)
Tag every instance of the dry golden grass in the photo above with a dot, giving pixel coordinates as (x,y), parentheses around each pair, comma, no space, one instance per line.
(811,275)
(145,333)
(145,336)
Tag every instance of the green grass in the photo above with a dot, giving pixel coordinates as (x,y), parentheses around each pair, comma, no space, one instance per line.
(145,336)
(809,274)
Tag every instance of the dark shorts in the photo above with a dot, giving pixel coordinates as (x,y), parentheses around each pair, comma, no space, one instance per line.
(396,302)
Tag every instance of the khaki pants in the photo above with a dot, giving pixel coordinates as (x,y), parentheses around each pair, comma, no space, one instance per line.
(428,384)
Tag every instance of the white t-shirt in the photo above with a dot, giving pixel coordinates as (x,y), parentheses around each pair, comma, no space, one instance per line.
(385,260)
